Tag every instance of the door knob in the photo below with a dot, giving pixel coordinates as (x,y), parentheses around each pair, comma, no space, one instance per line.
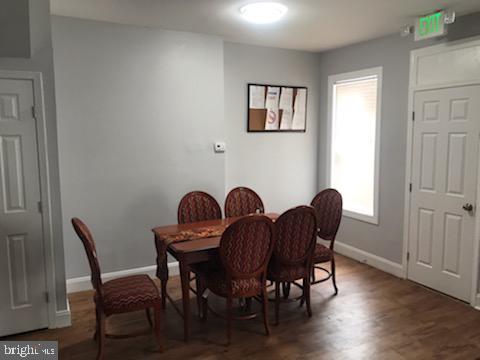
(467,207)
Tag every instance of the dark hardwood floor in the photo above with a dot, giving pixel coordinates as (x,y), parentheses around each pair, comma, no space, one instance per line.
(374,316)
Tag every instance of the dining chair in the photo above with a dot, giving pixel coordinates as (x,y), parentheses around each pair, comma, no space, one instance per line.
(328,208)
(242,201)
(198,206)
(117,296)
(245,249)
(293,252)
(193,207)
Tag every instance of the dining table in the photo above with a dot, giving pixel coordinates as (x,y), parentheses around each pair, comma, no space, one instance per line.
(189,244)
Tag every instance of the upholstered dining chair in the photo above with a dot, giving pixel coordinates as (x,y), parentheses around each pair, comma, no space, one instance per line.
(328,208)
(198,206)
(242,201)
(245,250)
(293,252)
(121,295)
(193,207)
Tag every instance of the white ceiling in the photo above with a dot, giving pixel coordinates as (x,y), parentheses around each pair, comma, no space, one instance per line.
(312,25)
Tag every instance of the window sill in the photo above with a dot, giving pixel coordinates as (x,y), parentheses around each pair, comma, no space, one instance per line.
(361,217)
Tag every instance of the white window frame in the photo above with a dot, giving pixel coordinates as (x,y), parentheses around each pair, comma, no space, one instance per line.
(346,77)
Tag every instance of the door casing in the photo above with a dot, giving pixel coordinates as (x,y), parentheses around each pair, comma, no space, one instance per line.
(415,55)
(47,235)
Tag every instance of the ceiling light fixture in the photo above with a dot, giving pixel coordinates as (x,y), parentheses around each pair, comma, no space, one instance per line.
(263,12)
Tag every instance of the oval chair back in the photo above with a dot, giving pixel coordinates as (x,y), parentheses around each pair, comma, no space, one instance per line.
(246,247)
(328,208)
(85,235)
(296,237)
(293,253)
(198,206)
(243,201)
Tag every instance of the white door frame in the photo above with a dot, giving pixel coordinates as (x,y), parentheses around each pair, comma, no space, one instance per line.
(413,87)
(47,235)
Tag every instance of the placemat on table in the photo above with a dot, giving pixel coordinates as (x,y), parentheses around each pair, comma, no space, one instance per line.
(193,234)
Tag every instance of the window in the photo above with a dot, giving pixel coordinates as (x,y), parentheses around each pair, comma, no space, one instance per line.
(354,115)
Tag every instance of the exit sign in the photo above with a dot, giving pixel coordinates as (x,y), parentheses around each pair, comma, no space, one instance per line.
(430,26)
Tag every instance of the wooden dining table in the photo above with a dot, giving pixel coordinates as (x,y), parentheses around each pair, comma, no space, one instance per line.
(187,252)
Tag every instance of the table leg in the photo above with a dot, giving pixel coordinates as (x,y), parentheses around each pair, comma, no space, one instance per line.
(184,277)
(163,286)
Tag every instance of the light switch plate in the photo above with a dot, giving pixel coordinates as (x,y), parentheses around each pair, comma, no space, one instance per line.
(219,147)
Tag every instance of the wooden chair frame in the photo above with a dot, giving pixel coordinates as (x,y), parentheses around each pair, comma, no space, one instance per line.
(181,220)
(328,236)
(232,274)
(101,313)
(280,261)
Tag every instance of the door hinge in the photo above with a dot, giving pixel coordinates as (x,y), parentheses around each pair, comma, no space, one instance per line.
(410,187)
(47,297)
(408,256)
(40,207)
(33,112)
(413,115)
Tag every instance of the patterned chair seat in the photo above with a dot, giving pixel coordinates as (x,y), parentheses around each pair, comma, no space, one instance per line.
(322,254)
(287,273)
(216,281)
(129,293)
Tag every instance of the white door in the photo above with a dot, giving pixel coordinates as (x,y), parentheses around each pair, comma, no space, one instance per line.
(23,303)
(444,180)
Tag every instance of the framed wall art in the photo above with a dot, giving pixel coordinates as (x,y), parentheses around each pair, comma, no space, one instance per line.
(276,108)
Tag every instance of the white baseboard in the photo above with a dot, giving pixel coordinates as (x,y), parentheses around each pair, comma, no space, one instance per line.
(477,302)
(63,318)
(84,282)
(370,259)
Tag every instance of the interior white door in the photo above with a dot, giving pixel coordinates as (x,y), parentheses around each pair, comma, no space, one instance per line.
(444,180)
(23,303)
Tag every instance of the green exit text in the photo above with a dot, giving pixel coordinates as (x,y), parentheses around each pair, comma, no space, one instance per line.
(430,25)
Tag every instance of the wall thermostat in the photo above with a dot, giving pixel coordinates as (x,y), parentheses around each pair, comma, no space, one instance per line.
(219,147)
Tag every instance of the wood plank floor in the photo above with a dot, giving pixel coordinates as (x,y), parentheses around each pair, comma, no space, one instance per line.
(374,316)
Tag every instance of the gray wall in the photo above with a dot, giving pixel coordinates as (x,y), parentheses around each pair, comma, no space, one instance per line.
(138,112)
(139,109)
(282,168)
(392,53)
(41,60)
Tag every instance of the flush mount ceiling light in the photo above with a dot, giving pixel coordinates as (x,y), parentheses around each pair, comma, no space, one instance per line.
(263,12)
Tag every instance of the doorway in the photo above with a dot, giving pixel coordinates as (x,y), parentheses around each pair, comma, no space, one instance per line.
(444,182)
(441,222)
(24,296)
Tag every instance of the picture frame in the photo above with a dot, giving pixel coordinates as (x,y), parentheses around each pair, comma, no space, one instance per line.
(276,108)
